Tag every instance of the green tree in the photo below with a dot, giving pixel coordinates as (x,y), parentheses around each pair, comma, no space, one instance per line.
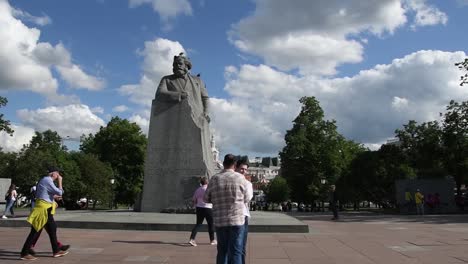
(423,146)
(45,149)
(464,67)
(34,158)
(392,166)
(5,124)
(123,145)
(95,177)
(7,164)
(278,190)
(372,175)
(455,140)
(313,152)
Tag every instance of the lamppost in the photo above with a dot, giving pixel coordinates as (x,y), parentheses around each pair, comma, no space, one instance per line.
(112,181)
(323,181)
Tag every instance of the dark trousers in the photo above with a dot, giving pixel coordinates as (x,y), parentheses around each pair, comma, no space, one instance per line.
(36,238)
(203,213)
(50,227)
(334,207)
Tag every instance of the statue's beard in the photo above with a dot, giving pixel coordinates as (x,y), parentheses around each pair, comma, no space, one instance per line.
(180,72)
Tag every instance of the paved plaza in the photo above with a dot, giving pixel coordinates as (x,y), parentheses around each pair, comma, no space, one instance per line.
(360,238)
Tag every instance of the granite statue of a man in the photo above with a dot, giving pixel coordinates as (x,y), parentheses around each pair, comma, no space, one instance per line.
(178,141)
(183,86)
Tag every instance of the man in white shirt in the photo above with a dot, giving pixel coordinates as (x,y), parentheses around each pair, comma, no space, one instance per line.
(227,191)
(241,167)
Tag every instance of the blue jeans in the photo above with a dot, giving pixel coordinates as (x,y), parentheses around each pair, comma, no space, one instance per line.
(9,207)
(244,239)
(230,244)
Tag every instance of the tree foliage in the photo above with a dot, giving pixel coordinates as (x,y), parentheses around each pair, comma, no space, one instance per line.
(45,149)
(5,124)
(116,151)
(423,146)
(372,175)
(123,145)
(463,66)
(7,164)
(278,190)
(455,141)
(314,152)
(95,176)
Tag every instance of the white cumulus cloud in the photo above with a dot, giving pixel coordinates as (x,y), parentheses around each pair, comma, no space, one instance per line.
(368,107)
(141,121)
(120,108)
(400,103)
(426,15)
(27,63)
(317,36)
(21,136)
(38,20)
(69,121)
(158,57)
(77,78)
(167,9)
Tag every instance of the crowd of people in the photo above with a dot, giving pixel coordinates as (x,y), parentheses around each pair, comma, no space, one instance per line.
(418,202)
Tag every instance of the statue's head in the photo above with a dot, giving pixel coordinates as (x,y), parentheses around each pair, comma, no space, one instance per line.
(181,65)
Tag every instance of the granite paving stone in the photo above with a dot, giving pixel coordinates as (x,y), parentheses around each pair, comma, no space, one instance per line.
(361,238)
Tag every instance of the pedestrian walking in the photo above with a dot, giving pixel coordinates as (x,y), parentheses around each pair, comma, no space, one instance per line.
(42,216)
(333,199)
(10,198)
(203,211)
(419,200)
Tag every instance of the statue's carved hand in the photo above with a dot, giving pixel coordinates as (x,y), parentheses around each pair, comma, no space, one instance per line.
(183,95)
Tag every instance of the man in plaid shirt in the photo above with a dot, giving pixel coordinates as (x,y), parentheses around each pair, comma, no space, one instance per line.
(228,193)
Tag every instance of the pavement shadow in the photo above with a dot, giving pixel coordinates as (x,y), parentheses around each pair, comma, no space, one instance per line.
(15,255)
(153,242)
(9,255)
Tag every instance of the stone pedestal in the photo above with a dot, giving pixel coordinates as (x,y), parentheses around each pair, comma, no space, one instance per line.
(178,155)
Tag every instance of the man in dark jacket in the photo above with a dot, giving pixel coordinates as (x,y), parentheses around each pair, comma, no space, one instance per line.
(333,202)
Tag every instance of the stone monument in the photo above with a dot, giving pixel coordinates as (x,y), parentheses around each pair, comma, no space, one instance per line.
(178,141)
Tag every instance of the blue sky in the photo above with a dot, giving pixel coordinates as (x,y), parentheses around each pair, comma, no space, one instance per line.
(70,66)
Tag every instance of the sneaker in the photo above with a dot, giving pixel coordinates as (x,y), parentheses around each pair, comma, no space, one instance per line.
(192,242)
(4,217)
(60,254)
(64,247)
(32,252)
(214,242)
(28,257)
